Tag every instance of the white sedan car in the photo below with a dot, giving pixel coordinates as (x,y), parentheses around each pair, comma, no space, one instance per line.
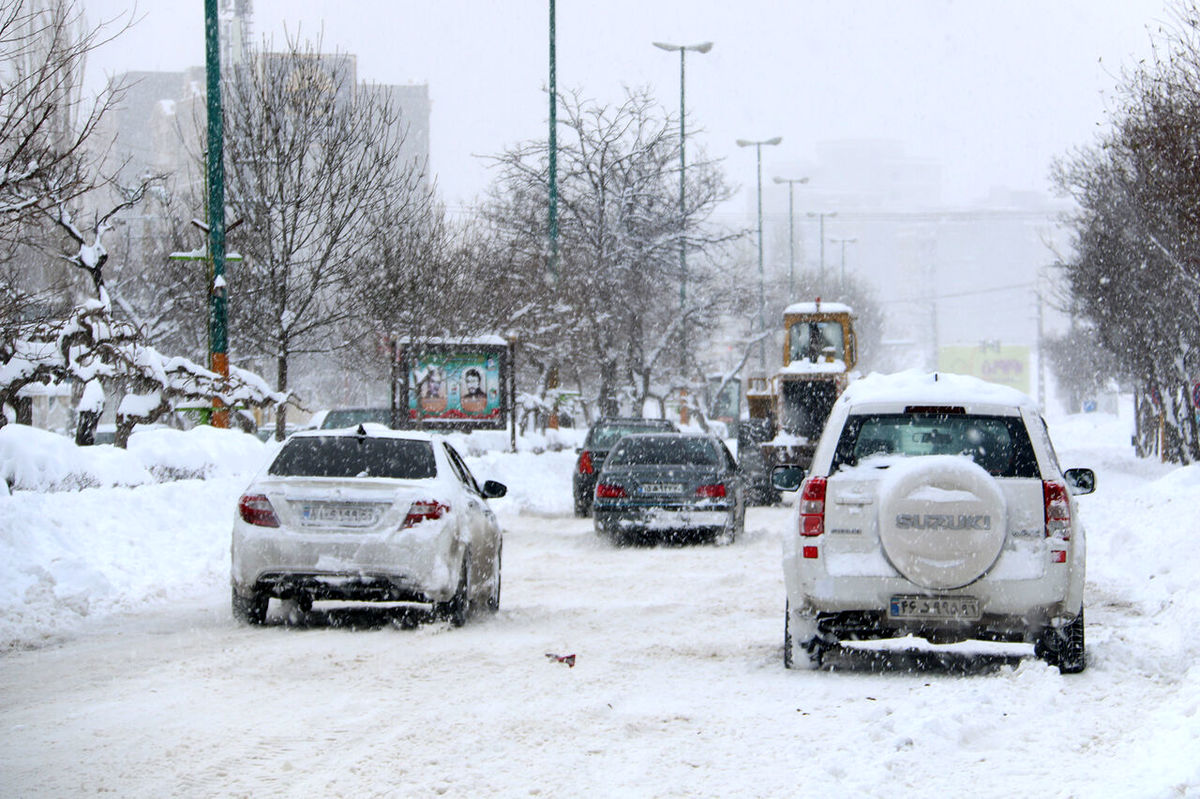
(935,506)
(369,514)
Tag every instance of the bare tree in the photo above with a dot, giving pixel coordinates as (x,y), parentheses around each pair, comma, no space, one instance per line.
(311,160)
(45,126)
(613,315)
(1135,273)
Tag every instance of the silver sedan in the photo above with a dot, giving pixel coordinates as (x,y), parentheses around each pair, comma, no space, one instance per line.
(369,514)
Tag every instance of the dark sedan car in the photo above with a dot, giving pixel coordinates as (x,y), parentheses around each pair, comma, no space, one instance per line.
(599,441)
(667,487)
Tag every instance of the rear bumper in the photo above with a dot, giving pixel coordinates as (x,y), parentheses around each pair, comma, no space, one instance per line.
(1008,607)
(405,565)
(635,518)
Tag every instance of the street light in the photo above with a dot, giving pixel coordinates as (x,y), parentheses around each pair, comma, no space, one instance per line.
(791,230)
(843,242)
(703,47)
(762,322)
(822,216)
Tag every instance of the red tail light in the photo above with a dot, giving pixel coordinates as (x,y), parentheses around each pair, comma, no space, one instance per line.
(714,491)
(1058,509)
(256,509)
(423,511)
(607,491)
(585,463)
(812,506)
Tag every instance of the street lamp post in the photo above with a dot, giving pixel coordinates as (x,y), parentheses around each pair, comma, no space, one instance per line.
(822,216)
(791,231)
(843,242)
(758,145)
(703,47)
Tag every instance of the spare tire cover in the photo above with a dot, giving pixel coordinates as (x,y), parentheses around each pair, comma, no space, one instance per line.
(942,520)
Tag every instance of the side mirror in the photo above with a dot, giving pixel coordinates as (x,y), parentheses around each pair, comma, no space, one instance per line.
(787,478)
(1080,481)
(493,490)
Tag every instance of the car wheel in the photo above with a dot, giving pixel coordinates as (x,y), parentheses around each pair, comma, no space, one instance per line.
(1063,647)
(458,609)
(249,610)
(493,603)
(805,649)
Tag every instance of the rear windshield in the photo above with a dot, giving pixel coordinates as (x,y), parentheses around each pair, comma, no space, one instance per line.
(353,456)
(999,444)
(349,417)
(664,450)
(603,436)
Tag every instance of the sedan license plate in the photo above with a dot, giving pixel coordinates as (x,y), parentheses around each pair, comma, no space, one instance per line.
(662,488)
(339,515)
(942,608)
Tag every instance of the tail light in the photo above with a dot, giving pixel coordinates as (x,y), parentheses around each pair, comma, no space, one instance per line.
(608,491)
(585,463)
(714,491)
(256,509)
(425,510)
(812,507)
(1058,509)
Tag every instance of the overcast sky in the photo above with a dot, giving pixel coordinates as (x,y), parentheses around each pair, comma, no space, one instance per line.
(993,89)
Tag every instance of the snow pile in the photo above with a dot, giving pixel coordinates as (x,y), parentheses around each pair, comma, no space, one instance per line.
(38,460)
(199,453)
(117,540)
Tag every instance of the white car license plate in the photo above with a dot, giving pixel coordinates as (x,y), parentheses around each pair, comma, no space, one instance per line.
(662,488)
(934,607)
(339,515)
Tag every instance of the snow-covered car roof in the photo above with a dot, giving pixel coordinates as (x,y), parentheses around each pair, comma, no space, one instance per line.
(371,429)
(915,387)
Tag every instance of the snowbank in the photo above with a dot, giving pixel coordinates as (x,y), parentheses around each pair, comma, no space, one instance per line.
(38,460)
(89,531)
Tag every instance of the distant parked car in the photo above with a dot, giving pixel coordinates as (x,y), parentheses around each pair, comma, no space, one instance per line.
(352,417)
(669,486)
(266,432)
(600,439)
(371,515)
(935,506)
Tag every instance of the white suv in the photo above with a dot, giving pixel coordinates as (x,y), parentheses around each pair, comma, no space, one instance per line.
(935,506)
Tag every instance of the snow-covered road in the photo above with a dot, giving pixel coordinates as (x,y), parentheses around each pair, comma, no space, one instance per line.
(126,675)
(677,690)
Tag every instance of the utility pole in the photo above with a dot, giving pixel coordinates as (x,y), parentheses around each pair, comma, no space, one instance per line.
(762,319)
(553,222)
(791,232)
(552,377)
(218,334)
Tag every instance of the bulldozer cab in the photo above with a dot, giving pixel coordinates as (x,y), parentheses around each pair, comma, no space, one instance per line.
(819,333)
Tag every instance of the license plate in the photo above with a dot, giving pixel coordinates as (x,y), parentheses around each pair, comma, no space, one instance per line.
(662,488)
(339,515)
(947,608)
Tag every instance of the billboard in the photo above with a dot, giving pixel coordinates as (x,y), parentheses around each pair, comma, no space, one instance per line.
(994,362)
(459,385)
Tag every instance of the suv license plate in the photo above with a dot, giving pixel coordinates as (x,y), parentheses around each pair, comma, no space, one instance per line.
(934,607)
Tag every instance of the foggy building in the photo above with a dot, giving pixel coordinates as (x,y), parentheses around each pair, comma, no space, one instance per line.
(949,277)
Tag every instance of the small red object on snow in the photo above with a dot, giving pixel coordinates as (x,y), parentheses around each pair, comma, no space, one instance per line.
(568,659)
